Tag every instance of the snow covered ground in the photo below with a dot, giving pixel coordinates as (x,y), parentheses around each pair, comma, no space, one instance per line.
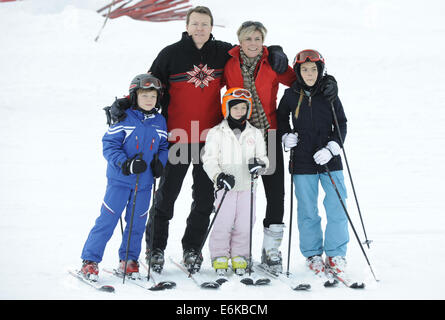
(54,80)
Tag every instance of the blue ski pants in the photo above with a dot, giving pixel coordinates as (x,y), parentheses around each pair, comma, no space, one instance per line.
(116,199)
(336,235)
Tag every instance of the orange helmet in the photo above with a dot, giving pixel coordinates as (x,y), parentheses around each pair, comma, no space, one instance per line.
(236,94)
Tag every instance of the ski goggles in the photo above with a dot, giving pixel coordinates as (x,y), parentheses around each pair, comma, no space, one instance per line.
(304,55)
(144,83)
(238,93)
(152,83)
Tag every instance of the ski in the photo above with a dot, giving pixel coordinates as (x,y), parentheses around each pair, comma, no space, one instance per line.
(289,280)
(221,276)
(197,278)
(331,282)
(253,279)
(137,281)
(347,282)
(95,284)
(158,285)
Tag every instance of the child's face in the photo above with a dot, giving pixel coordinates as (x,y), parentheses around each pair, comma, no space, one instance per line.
(309,73)
(238,110)
(147,99)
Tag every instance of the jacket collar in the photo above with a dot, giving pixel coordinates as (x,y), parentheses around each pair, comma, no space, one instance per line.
(187,40)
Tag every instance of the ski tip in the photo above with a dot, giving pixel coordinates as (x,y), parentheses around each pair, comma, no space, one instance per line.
(357,285)
(210,285)
(302,287)
(262,282)
(331,283)
(163,285)
(247,281)
(107,289)
(220,281)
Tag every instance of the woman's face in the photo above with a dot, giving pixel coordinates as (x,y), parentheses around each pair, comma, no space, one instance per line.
(309,73)
(252,44)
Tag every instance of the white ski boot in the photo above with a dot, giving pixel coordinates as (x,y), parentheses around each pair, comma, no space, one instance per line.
(271,255)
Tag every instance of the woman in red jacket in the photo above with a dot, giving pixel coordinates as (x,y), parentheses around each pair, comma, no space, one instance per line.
(249,68)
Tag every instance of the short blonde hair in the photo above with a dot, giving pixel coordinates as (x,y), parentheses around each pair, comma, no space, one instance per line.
(249,27)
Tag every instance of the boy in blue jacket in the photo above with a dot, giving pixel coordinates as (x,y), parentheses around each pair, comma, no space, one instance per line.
(128,146)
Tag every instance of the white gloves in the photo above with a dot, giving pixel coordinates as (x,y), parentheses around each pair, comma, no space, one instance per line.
(324,155)
(290,140)
(334,148)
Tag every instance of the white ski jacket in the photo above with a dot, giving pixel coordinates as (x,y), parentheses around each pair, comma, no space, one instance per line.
(224,152)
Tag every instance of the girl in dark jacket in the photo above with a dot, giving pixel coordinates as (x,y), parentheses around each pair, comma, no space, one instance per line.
(315,145)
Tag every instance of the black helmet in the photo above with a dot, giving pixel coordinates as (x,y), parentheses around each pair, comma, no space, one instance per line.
(145,81)
(309,55)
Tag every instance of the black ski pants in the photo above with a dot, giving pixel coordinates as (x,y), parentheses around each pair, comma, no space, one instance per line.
(274,183)
(170,185)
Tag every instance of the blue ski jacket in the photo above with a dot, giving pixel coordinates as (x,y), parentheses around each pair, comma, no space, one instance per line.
(137,133)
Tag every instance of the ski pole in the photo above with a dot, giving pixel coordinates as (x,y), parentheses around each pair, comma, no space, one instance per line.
(252,182)
(367,242)
(151,224)
(208,230)
(349,219)
(131,221)
(291,208)
(105,22)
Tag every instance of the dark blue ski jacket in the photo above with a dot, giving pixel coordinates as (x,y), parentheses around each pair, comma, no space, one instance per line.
(312,118)
(137,133)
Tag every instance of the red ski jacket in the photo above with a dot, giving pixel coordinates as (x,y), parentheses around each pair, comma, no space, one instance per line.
(266,81)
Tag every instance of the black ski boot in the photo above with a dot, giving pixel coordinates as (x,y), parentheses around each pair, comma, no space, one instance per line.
(157,259)
(192,261)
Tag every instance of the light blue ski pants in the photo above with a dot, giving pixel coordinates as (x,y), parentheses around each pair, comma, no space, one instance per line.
(336,236)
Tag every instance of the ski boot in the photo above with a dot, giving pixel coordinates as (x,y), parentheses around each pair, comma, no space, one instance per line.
(157,259)
(132,269)
(315,263)
(239,265)
(270,254)
(90,270)
(336,265)
(192,261)
(221,265)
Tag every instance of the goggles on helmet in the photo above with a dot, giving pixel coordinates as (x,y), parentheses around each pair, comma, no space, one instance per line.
(238,93)
(304,55)
(146,83)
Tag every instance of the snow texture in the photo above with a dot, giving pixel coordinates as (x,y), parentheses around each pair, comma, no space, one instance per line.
(387,57)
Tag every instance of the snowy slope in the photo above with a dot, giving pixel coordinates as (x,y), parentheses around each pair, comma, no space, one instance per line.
(54,80)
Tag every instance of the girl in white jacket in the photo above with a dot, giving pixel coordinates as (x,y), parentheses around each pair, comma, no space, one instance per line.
(234,152)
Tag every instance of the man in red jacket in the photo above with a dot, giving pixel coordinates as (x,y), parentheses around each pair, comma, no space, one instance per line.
(191,71)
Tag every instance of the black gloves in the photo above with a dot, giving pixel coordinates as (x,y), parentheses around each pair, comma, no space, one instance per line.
(277,59)
(117,109)
(134,166)
(156,166)
(255,165)
(225,181)
(328,86)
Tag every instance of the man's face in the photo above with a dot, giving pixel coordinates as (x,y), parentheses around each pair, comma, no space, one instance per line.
(199,28)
